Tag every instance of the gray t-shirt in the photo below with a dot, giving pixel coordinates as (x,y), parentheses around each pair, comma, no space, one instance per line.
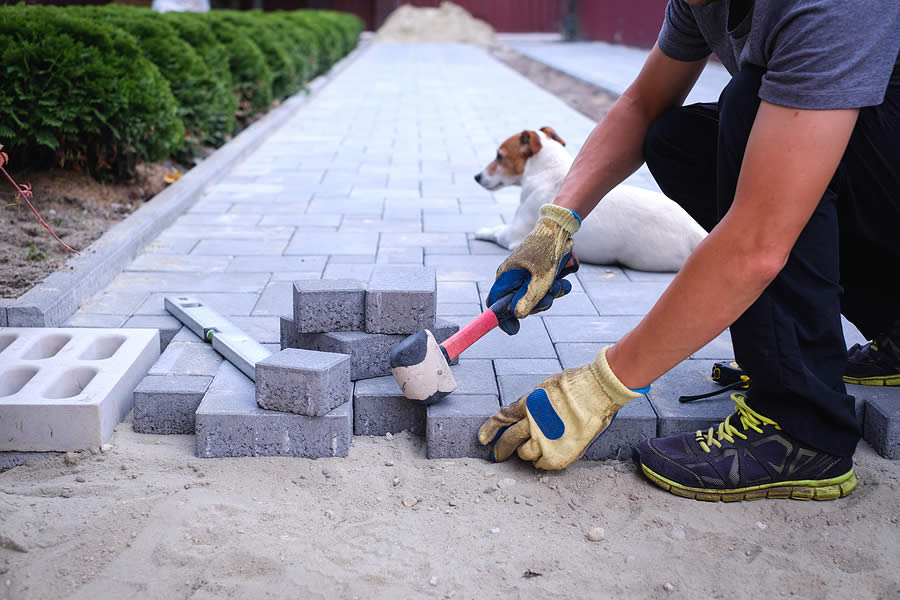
(818,54)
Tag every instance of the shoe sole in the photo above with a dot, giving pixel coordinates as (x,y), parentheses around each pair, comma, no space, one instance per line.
(824,489)
(885,381)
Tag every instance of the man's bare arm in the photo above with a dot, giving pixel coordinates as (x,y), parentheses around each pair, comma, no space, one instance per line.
(613,151)
(790,158)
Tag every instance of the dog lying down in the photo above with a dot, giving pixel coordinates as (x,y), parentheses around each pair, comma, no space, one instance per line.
(631,226)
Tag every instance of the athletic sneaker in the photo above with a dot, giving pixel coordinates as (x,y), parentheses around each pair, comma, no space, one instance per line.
(876,363)
(747,457)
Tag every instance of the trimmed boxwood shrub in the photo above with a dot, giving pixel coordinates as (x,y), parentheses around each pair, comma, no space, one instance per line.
(348,27)
(189,77)
(330,41)
(79,92)
(273,44)
(224,103)
(250,75)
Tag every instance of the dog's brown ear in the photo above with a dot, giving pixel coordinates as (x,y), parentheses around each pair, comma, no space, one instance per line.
(551,133)
(530,142)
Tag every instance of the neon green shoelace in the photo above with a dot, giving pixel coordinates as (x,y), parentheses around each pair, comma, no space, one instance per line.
(750,419)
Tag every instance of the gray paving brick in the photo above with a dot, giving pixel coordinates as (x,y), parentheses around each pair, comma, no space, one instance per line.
(322,305)
(303,221)
(369,352)
(589,329)
(578,353)
(688,377)
(357,224)
(186,335)
(167,325)
(304,382)
(86,319)
(882,418)
(359,272)
(513,387)
(174,262)
(170,246)
(458,223)
(527,366)
(244,247)
(379,408)
(633,424)
(400,299)
(570,305)
(238,304)
(601,273)
(351,259)
(228,232)
(484,247)
(226,219)
(399,256)
(457,291)
(289,337)
(114,301)
(648,275)
(318,243)
(185,358)
(324,204)
(426,240)
(451,429)
(166,404)
(719,348)
(457,309)
(269,264)
(263,329)
(140,284)
(464,268)
(277,299)
(618,297)
(4,302)
(230,423)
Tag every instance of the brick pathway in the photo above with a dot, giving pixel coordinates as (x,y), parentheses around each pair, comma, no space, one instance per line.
(378,168)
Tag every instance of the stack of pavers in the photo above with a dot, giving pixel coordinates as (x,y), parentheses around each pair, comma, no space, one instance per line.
(302,402)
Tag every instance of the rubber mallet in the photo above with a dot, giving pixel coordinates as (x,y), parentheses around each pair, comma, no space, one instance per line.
(421,366)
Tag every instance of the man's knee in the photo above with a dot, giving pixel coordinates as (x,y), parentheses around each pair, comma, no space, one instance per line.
(663,138)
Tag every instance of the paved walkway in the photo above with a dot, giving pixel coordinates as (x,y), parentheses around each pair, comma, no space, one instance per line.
(614,67)
(378,168)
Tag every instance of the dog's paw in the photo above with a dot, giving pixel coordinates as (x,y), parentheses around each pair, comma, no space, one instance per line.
(488,234)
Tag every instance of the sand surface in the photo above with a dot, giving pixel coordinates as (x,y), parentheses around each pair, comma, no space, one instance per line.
(147,519)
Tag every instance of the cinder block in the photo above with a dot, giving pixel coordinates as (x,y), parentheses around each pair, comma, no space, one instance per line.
(229,422)
(379,407)
(370,353)
(882,420)
(322,305)
(4,302)
(166,404)
(401,299)
(304,382)
(187,358)
(66,389)
(451,430)
(689,377)
(168,326)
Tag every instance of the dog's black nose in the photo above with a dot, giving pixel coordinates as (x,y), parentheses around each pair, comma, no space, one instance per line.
(478,178)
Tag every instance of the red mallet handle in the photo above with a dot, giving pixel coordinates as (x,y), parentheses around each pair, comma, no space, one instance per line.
(477,329)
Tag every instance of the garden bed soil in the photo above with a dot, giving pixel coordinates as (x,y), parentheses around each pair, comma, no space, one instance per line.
(79,208)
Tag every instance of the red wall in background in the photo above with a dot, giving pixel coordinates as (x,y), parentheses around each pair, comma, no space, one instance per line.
(629,22)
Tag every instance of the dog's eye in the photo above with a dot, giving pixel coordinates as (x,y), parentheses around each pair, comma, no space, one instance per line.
(499,157)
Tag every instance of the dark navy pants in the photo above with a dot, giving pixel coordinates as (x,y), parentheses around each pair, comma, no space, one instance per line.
(790,340)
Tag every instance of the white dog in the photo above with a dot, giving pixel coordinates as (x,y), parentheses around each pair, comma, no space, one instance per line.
(631,226)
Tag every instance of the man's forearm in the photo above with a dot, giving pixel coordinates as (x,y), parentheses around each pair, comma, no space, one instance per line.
(612,152)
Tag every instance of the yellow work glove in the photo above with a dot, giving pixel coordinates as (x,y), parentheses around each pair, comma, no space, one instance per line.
(554,424)
(532,267)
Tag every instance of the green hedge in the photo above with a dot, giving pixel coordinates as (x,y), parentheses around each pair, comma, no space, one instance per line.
(106,87)
(80,93)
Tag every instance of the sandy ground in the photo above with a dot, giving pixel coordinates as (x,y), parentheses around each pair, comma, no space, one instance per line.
(147,519)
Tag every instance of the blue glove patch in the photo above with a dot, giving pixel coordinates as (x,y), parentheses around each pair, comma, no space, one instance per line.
(545,415)
(507,282)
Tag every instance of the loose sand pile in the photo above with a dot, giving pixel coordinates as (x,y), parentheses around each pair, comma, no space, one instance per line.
(449,23)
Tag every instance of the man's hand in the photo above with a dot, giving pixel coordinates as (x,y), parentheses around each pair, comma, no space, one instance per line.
(533,266)
(554,424)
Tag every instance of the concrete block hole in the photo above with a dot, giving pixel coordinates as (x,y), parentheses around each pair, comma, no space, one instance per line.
(6,340)
(103,347)
(47,346)
(70,383)
(15,379)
